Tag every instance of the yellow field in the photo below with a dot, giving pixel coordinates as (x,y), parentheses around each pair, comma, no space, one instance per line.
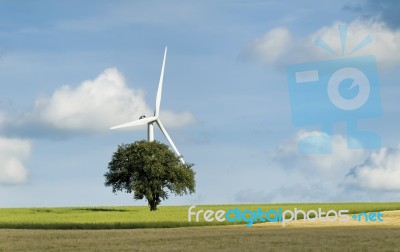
(391,219)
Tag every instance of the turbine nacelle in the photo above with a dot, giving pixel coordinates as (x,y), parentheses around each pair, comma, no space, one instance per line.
(154,119)
(142,121)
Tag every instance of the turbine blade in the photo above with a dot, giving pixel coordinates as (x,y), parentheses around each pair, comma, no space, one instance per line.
(136,123)
(164,131)
(160,84)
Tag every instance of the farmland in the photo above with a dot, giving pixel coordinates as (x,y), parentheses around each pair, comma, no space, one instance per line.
(140,216)
(137,229)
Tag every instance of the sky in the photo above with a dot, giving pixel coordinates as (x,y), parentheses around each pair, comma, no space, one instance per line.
(69,70)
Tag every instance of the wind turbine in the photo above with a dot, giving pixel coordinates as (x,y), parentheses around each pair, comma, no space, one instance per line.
(154,119)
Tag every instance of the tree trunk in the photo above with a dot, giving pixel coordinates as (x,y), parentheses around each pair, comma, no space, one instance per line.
(153,205)
(154,201)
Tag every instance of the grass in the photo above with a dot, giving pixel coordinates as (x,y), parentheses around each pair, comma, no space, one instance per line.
(222,238)
(140,216)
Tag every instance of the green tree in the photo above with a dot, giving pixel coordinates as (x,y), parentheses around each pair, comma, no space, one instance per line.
(149,170)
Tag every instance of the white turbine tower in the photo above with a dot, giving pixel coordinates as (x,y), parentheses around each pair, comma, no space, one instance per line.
(154,119)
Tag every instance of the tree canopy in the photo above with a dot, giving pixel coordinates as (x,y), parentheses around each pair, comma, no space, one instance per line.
(150,170)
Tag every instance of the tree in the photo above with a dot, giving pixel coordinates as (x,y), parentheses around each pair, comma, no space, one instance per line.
(149,170)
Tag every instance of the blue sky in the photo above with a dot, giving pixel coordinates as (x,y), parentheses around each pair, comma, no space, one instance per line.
(70,69)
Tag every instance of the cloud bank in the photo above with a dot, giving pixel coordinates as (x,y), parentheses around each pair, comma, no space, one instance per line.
(344,175)
(335,164)
(279,47)
(93,106)
(379,172)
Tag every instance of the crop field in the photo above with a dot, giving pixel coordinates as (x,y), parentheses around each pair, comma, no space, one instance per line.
(140,217)
(138,229)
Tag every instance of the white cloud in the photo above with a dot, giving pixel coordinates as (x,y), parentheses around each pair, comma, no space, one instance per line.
(335,164)
(322,177)
(272,46)
(12,153)
(381,171)
(280,48)
(333,175)
(95,105)
(385,41)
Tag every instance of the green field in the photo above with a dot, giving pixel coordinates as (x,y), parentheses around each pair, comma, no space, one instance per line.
(140,216)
